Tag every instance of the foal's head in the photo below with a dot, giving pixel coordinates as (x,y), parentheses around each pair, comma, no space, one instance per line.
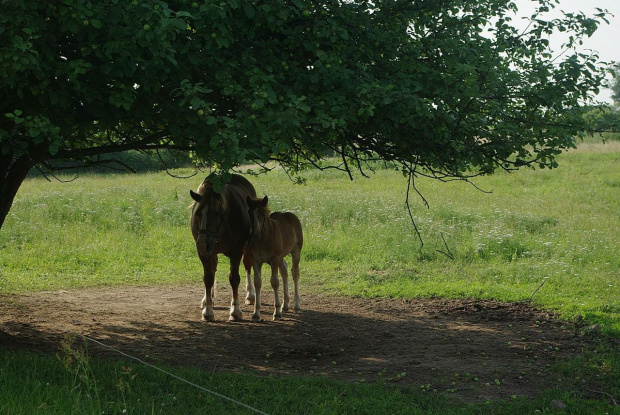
(210,215)
(259,213)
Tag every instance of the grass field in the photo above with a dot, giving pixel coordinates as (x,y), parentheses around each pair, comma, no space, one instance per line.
(549,236)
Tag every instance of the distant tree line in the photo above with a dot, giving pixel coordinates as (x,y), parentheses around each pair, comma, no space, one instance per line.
(131,161)
(615,86)
(608,120)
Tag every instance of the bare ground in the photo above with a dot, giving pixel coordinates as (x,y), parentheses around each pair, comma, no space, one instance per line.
(475,350)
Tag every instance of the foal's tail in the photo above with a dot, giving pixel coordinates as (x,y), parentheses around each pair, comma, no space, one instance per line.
(298,231)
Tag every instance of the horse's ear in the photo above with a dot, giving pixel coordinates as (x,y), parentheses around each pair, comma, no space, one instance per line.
(264,201)
(195,196)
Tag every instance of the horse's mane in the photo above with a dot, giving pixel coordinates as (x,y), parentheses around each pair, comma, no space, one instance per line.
(267,210)
(257,203)
(210,198)
(216,201)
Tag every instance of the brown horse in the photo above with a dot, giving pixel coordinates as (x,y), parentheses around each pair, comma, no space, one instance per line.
(220,224)
(274,236)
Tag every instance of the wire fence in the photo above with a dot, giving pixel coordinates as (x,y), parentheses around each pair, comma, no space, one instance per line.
(219,395)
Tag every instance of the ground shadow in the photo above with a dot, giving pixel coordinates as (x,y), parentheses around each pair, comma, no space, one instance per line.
(475,350)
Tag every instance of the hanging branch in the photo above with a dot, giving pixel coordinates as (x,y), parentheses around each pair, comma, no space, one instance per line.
(449,254)
(48,172)
(538,288)
(411,184)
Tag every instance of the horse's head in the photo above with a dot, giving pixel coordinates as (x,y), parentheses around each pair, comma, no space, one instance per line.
(258,212)
(210,216)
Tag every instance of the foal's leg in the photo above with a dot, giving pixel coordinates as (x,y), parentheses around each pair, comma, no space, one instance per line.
(250,295)
(235,279)
(284,273)
(257,285)
(275,284)
(295,271)
(209,265)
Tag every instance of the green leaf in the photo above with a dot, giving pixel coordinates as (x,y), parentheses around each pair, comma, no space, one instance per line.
(54,148)
(249,10)
(196,103)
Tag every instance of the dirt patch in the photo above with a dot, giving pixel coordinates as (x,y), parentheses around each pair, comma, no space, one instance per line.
(474,350)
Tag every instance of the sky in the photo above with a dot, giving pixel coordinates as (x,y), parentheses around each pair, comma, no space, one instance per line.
(606,40)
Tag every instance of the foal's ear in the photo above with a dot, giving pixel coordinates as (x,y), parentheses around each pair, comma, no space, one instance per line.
(251,202)
(195,196)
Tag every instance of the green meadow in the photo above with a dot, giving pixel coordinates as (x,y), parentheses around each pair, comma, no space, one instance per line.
(551,237)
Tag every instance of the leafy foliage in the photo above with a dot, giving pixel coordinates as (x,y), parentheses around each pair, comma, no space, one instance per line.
(451,89)
(615,85)
(603,120)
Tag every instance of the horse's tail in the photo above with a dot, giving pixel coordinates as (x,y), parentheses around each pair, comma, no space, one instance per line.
(296,223)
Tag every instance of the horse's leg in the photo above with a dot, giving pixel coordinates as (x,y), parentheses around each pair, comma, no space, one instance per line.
(235,279)
(296,255)
(284,273)
(275,283)
(258,283)
(204,299)
(250,295)
(209,265)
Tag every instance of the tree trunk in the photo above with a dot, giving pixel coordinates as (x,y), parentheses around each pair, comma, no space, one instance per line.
(13,172)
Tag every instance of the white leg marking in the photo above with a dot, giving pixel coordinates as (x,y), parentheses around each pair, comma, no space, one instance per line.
(257,287)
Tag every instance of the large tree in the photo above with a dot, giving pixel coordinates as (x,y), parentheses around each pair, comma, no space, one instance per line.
(449,88)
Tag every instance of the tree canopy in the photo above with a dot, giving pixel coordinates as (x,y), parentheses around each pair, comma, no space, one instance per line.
(449,89)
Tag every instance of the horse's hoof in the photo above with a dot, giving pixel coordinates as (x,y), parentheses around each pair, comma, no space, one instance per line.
(285,308)
(277,316)
(207,317)
(249,301)
(297,310)
(235,317)
(256,318)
